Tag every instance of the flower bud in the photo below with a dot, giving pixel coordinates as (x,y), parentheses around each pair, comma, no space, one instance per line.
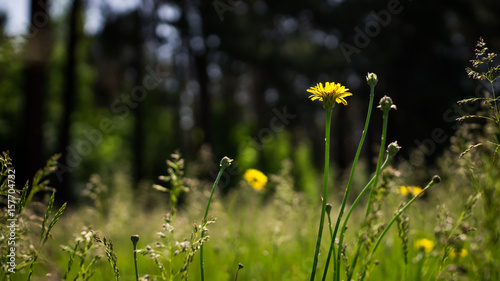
(135,239)
(328,208)
(371,78)
(225,162)
(436,179)
(393,148)
(386,103)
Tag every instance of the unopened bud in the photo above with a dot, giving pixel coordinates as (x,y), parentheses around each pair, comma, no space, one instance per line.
(436,179)
(225,162)
(393,148)
(371,78)
(135,239)
(386,103)
(328,208)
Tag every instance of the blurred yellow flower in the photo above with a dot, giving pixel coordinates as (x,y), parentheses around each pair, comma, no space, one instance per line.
(255,178)
(424,244)
(407,190)
(331,93)
(461,254)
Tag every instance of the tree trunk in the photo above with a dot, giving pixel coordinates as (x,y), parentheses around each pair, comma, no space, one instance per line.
(36,56)
(139,143)
(69,94)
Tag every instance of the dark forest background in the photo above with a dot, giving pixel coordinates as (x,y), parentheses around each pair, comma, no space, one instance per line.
(215,76)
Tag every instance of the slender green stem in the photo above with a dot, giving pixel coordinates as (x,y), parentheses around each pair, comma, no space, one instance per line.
(396,216)
(349,184)
(331,251)
(224,163)
(385,118)
(135,263)
(491,80)
(135,239)
(351,209)
(325,190)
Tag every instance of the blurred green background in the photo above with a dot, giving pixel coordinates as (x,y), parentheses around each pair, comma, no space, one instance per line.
(118,86)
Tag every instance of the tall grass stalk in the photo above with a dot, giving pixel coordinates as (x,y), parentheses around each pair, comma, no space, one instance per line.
(135,239)
(385,105)
(325,190)
(331,251)
(354,204)
(224,163)
(371,78)
(385,120)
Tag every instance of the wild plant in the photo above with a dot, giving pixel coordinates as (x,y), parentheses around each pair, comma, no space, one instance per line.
(135,239)
(82,252)
(224,163)
(188,247)
(111,256)
(478,140)
(466,253)
(175,178)
(27,247)
(96,191)
(373,233)
(492,115)
(452,234)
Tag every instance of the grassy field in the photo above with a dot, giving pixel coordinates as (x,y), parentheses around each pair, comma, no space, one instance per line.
(405,226)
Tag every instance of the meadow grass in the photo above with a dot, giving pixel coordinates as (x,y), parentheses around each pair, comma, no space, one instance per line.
(391,226)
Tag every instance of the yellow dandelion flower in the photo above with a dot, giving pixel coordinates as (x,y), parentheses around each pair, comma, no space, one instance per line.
(410,190)
(255,178)
(425,245)
(462,253)
(331,93)
(415,190)
(403,190)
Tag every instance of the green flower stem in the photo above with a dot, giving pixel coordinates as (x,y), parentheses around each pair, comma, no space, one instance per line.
(325,190)
(396,216)
(135,239)
(331,251)
(349,184)
(351,209)
(385,118)
(225,162)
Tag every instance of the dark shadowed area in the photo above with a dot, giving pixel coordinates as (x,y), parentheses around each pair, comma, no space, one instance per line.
(120,89)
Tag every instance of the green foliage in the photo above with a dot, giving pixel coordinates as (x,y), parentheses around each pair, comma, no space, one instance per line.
(83,250)
(19,230)
(175,170)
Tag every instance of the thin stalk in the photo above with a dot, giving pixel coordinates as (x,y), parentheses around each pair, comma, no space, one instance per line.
(135,239)
(492,80)
(349,184)
(351,209)
(325,190)
(385,118)
(331,251)
(224,163)
(372,252)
